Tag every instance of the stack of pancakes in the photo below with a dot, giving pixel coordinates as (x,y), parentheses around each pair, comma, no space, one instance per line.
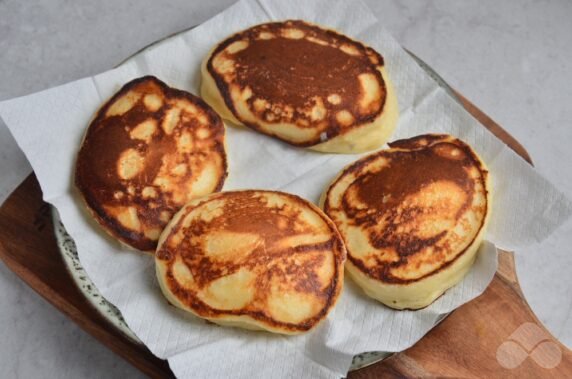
(409,218)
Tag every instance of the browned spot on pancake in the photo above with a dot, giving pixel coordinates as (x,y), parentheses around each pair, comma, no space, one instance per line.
(252,233)
(408,173)
(127,160)
(409,206)
(292,67)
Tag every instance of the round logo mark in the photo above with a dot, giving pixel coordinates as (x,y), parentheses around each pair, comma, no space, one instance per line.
(529,341)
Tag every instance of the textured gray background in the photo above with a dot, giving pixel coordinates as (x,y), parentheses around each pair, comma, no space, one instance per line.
(511,58)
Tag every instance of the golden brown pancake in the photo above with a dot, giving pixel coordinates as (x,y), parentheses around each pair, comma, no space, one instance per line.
(252,259)
(305,85)
(412,218)
(149,150)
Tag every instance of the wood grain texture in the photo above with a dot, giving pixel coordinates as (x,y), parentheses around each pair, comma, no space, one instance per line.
(28,247)
(463,345)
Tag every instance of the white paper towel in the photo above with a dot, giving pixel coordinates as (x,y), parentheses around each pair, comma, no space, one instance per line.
(49,127)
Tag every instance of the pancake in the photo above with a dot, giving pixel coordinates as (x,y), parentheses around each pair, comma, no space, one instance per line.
(149,150)
(252,259)
(305,85)
(412,218)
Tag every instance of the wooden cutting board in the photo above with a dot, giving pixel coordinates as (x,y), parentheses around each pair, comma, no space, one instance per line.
(464,345)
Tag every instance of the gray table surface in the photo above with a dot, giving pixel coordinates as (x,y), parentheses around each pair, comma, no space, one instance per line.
(511,58)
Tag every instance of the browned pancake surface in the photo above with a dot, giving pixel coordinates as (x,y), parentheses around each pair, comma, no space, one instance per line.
(148,151)
(419,203)
(286,247)
(303,75)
